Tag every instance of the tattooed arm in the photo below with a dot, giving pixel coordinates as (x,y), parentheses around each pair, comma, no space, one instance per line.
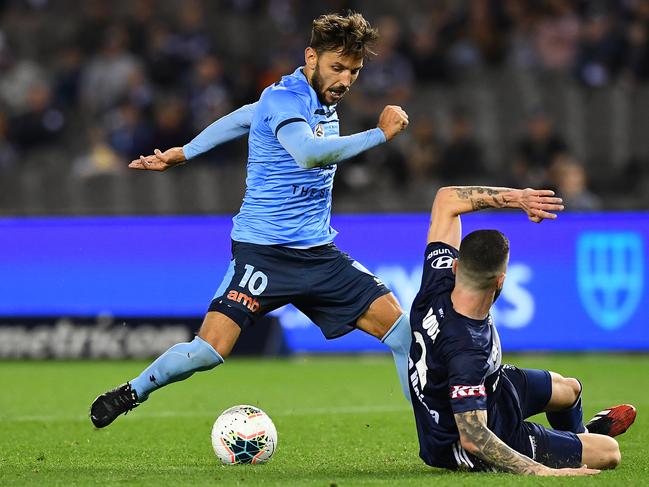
(450,202)
(480,441)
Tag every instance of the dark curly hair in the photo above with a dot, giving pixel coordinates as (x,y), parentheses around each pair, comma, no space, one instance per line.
(349,35)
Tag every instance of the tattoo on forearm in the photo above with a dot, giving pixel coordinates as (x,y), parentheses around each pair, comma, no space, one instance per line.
(466,192)
(479,204)
(483,197)
(490,448)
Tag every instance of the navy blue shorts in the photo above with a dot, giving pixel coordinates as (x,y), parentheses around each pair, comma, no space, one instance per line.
(553,448)
(324,283)
(527,393)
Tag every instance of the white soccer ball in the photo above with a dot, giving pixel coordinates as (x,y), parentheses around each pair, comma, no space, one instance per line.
(244,434)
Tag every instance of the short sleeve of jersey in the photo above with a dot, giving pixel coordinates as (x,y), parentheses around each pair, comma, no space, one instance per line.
(438,274)
(467,370)
(281,107)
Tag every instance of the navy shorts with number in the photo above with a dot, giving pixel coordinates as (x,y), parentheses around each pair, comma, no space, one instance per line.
(324,283)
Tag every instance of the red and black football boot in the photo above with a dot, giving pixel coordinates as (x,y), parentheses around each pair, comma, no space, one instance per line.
(613,421)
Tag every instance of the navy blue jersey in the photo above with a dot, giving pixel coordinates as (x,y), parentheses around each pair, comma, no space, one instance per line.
(455,361)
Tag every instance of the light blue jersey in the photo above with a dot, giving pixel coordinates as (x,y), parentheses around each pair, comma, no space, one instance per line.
(288,202)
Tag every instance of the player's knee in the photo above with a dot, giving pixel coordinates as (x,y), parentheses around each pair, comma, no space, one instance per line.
(565,390)
(613,456)
(573,388)
(214,340)
(219,331)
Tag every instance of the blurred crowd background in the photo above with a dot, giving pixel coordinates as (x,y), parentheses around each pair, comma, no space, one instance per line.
(550,93)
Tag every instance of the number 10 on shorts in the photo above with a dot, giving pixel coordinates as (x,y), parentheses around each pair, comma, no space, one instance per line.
(256,281)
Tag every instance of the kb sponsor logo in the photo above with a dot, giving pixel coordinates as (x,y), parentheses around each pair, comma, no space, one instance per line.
(610,268)
(458,392)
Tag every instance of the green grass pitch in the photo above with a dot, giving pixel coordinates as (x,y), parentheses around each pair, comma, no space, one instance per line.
(341,422)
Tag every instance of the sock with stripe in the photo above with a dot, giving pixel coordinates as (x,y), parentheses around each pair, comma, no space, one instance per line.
(176,364)
(398,338)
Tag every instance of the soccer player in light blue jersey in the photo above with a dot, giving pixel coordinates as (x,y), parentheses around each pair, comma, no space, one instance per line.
(282,241)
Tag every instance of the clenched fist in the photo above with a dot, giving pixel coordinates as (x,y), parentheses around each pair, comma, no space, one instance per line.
(393,119)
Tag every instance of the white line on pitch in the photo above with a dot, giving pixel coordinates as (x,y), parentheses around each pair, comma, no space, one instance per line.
(213,414)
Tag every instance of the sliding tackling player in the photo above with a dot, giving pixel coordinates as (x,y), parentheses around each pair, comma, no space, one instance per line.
(470,410)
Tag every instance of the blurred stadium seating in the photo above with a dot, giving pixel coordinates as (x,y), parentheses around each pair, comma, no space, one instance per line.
(85,87)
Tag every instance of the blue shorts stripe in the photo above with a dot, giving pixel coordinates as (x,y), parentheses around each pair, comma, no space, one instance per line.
(226,280)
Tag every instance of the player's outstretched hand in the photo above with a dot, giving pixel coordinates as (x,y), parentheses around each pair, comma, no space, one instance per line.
(540,204)
(393,119)
(568,472)
(160,161)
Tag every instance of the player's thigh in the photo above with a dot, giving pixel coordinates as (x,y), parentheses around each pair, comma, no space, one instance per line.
(599,451)
(565,391)
(259,279)
(219,331)
(552,448)
(533,387)
(343,295)
(380,316)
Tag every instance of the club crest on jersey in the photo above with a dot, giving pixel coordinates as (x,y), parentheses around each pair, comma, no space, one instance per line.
(319,130)
(610,275)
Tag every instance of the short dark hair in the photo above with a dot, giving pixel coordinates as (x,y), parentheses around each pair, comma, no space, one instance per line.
(483,256)
(350,35)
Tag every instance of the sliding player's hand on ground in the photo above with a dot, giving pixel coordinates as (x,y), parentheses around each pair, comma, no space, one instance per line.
(159,161)
(540,204)
(393,119)
(568,472)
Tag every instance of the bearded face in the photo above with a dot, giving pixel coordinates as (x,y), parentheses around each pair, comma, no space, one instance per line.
(333,75)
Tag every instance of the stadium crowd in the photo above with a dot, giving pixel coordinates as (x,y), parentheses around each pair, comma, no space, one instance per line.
(510,92)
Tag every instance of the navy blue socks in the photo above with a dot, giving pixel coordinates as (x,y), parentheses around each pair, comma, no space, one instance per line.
(571,419)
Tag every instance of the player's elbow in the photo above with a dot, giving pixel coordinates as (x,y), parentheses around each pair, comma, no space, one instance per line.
(469,445)
(305,161)
(442,198)
(443,192)
(304,156)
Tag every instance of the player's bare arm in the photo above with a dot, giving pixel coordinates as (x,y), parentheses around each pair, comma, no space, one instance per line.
(453,201)
(477,439)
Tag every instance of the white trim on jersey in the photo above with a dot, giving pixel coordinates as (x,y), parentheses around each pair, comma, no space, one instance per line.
(461,456)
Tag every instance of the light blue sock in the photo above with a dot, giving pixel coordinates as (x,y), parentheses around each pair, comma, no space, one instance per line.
(177,363)
(398,338)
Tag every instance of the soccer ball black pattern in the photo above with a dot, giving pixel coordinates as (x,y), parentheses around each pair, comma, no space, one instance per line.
(244,434)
